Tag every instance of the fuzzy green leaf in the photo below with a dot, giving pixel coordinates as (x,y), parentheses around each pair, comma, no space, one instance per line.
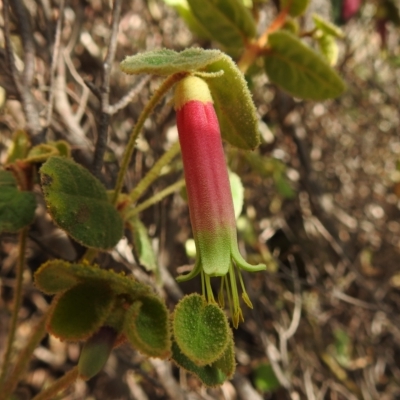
(78,203)
(63,147)
(210,375)
(299,70)
(147,327)
(56,276)
(80,312)
(228,21)
(167,62)
(141,244)
(95,352)
(41,153)
(200,329)
(233,104)
(17,208)
(295,7)
(226,363)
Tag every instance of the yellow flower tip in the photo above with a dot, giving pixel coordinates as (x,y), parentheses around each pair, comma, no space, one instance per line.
(191,88)
(247,300)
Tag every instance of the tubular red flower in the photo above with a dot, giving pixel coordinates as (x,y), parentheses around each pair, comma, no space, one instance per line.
(208,188)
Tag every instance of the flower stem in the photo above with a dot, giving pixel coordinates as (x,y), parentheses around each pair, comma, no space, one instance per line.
(23,358)
(154,172)
(60,384)
(17,302)
(156,198)
(161,91)
(254,49)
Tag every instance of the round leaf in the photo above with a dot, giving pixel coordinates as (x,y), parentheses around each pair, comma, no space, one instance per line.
(233,104)
(201,330)
(80,312)
(147,327)
(78,203)
(167,62)
(299,70)
(17,208)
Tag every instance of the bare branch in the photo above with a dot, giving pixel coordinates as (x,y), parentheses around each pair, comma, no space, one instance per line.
(128,97)
(105,93)
(54,62)
(244,388)
(63,107)
(163,369)
(25,30)
(27,100)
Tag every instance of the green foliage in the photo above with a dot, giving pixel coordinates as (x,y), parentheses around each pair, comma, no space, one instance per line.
(226,363)
(299,70)
(328,47)
(283,186)
(233,104)
(342,347)
(19,147)
(295,7)
(227,21)
(168,62)
(17,208)
(141,244)
(183,9)
(147,327)
(41,153)
(78,203)
(54,277)
(265,379)
(210,375)
(80,311)
(237,192)
(69,273)
(95,352)
(327,27)
(201,330)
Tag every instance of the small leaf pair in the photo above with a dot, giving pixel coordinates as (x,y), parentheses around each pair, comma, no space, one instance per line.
(102,308)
